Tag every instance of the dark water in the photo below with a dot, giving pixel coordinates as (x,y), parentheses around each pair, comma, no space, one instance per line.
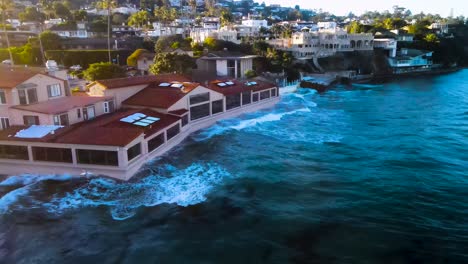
(368,175)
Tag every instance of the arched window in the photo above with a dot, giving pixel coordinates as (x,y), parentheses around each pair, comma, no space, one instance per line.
(353,44)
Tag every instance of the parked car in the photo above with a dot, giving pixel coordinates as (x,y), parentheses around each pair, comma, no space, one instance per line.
(75,68)
(8,62)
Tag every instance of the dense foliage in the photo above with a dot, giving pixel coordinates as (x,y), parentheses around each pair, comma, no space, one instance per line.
(103,70)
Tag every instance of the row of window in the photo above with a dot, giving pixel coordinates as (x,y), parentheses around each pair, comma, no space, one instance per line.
(29,95)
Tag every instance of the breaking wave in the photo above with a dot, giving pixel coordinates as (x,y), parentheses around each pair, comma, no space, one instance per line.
(183,187)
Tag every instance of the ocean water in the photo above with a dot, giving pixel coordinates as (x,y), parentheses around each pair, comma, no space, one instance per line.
(360,174)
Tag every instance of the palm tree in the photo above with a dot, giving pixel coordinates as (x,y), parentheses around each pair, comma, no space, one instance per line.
(5,5)
(107,4)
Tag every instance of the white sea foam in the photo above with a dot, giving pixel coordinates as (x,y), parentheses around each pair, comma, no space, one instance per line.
(11,198)
(29,179)
(266,118)
(182,187)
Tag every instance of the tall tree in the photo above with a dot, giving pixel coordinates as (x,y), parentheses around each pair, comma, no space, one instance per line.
(31,14)
(139,19)
(103,70)
(108,5)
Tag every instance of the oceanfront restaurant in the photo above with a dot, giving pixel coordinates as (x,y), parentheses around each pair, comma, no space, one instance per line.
(117,144)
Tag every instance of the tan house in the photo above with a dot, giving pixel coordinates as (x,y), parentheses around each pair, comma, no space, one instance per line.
(25,87)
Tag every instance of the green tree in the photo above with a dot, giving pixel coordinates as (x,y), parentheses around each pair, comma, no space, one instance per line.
(50,40)
(119,18)
(80,15)
(165,15)
(132,59)
(103,70)
(171,62)
(5,6)
(431,38)
(61,10)
(31,14)
(354,28)
(226,17)
(139,19)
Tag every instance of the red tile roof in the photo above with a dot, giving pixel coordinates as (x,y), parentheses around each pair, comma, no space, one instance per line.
(12,77)
(139,80)
(105,130)
(178,112)
(60,105)
(155,96)
(239,86)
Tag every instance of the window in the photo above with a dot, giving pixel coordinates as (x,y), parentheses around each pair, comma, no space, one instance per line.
(273,92)
(109,107)
(217,106)
(246,97)
(184,120)
(232,101)
(78,113)
(173,131)
(134,151)
(265,95)
(88,113)
(14,152)
(199,98)
(52,154)
(231,68)
(30,120)
(255,97)
(2,97)
(199,111)
(54,90)
(27,96)
(4,123)
(97,157)
(61,120)
(155,142)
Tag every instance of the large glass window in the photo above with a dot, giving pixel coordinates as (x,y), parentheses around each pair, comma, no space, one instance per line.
(109,107)
(88,112)
(264,95)
(199,98)
(52,154)
(217,106)
(199,111)
(4,123)
(97,157)
(155,142)
(184,120)
(232,101)
(173,131)
(61,120)
(54,90)
(134,151)
(246,97)
(27,96)
(231,68)
(273,92)
(255,97)
(2,97)
(29,120)
(14,152)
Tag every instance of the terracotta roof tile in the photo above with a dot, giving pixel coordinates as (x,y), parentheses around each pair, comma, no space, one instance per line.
(12,77)
(139,80)
(155,96)
(60,105)
(239,86)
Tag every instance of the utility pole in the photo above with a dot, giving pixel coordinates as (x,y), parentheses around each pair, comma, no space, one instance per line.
(109,29)
(12,63)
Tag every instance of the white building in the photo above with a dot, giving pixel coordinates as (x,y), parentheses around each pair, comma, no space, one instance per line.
(306,45)
(387,44)
(411,60)
(326,25)
(255,23)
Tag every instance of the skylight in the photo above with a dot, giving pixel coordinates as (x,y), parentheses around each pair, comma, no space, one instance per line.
(251,83)
(229,83)
(36,131)
(221,84)
(177,85)
(164,84)
(139,119)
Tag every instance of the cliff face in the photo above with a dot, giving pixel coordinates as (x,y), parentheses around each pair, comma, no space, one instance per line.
(365,62)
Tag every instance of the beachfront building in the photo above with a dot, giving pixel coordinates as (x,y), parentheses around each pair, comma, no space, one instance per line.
(387,44)
(411,60)
(324,43)
(151,114)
